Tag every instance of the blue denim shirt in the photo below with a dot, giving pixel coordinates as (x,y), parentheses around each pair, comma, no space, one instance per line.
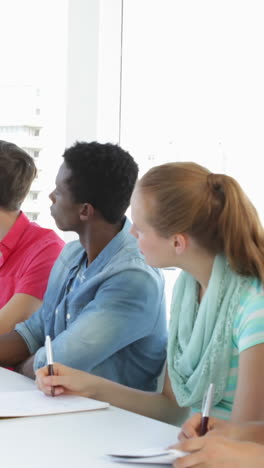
(113,324)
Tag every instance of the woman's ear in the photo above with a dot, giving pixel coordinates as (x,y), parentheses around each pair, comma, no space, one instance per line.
(180,242)
(86,212)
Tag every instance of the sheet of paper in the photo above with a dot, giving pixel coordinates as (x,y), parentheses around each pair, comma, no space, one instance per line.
(150,455)
(35,403)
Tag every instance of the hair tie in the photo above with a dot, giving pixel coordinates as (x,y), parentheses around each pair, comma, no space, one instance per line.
(214,182)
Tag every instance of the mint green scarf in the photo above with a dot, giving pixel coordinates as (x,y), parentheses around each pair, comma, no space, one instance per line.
(200,337)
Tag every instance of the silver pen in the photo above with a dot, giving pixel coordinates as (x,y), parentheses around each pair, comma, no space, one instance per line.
(206,410)
(49,356)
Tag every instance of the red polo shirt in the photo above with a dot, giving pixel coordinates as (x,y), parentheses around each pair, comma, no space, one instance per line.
(27,254)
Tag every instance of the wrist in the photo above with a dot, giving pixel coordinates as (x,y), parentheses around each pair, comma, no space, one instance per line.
(99,388)
(93,387)
(83,384)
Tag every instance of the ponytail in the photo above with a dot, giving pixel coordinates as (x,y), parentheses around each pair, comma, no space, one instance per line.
(240,227)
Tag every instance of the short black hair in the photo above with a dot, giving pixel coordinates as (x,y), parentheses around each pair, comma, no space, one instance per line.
(17,171)
(102,174)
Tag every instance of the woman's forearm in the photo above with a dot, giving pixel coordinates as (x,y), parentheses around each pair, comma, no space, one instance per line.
(66,380)
(150,404)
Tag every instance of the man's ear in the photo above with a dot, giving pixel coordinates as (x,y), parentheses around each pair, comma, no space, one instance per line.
(180,242)
(86,211)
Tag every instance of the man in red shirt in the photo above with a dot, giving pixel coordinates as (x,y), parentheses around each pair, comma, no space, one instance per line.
(27,251)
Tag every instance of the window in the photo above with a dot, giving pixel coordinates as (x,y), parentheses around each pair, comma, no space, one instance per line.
(192,89)
(191,85)
(32,216)
(33,101)
(33,195)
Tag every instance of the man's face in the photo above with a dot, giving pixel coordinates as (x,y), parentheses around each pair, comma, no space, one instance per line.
(63,209)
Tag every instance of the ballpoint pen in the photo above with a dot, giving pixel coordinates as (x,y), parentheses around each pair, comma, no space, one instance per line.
(207,405)
(49,360)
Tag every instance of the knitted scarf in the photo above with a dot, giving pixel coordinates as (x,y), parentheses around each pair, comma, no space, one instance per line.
(200,337)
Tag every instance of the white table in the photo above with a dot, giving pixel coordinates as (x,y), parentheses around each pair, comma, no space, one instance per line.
(77,439)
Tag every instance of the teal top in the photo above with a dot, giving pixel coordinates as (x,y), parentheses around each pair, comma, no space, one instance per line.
(205,339)
(248,331)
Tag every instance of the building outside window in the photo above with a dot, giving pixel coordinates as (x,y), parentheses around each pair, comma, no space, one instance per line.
(33,100)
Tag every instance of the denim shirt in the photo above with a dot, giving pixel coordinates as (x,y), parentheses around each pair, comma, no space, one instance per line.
(113,324)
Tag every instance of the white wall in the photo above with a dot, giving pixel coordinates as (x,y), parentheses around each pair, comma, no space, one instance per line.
(82,70)
(109,71)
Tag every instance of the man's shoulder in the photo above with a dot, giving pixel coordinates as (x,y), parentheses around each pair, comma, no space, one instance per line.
(129,257)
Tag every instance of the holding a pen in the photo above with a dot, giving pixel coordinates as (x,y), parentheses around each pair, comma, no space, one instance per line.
(49,356)
(199,423)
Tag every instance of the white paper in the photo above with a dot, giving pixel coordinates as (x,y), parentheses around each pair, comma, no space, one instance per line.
(35,403)
(150,455)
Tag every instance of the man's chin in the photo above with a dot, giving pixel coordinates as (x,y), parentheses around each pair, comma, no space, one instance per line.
(61,228)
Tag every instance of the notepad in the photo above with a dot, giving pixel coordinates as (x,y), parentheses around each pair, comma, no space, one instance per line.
(150,455)
(36,403)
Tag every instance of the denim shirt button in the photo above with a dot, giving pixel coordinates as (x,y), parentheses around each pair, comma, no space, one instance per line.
(56,312)
(68,316)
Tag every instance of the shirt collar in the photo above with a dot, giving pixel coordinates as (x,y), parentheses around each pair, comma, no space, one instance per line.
(109,250)
(114,245)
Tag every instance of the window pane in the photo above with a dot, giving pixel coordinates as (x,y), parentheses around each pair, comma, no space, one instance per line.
(192,86)
(32,89)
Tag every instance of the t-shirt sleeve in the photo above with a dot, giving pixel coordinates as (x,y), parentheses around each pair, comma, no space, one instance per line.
(249,324)
(35,277)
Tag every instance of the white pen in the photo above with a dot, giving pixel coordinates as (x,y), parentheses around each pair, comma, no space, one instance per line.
(49,356)
(208,401)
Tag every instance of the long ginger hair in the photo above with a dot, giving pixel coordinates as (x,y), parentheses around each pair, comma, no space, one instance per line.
(211,208)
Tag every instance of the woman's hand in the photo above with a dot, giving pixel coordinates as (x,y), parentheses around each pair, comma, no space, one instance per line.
(191,428)
(66,381)
(219,452)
